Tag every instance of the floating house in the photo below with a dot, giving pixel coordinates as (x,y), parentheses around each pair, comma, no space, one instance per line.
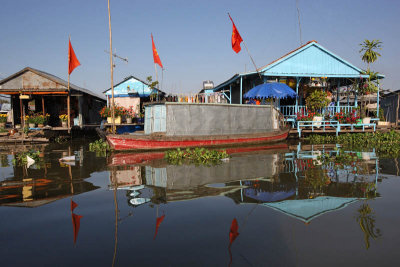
(391,106)
(306,68)
(36,91)
(132,92)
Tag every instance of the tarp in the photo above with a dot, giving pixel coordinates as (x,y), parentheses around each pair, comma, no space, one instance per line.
(267,90)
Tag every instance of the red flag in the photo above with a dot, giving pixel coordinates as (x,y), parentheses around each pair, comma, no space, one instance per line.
(158,222)
(236,38)
(73,205)
(156,57)
(73,61)
(76,223)
(233,233)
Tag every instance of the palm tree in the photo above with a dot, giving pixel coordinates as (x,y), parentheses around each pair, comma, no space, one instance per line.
(369,49)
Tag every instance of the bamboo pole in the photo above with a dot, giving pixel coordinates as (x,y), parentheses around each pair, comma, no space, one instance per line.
(155,67)
(22,114)
(112,72)
(69,94)
(44,112)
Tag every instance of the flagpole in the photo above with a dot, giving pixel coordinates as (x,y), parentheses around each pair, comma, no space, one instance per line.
(248,52)
(68,97)
(252,60)
(155,67)
(112,72)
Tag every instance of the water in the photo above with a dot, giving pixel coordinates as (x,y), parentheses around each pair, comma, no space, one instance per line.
(138,210)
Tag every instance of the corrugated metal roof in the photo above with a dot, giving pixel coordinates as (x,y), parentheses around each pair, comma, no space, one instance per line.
(312,60)
(54,79)
(308,60)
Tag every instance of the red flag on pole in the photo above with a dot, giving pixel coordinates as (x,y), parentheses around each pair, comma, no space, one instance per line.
(73,61)
(158,223)
(236,38)
(73,205)
(76,223)
(156,57)
(233,233)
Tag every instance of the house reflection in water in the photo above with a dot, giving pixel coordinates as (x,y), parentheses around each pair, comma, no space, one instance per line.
(37,187)
(47,180)
(281,181)
(129,178)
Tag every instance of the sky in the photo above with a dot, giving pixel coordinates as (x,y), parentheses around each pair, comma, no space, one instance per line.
(193,38)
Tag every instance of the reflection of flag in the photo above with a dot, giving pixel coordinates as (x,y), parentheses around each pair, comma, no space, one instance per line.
(158,222)
(156,57)
(76,223)
(73,205)
(236,38)
(233,233)
(73,61)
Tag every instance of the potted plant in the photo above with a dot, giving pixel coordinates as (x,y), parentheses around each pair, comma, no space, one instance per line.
(316,102)
(3,120)
(130,114)
(41,119)
(106,112)
(64,119)
(31,120)
(140,117)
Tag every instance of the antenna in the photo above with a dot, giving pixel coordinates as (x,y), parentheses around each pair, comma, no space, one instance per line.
(115,55)
(298,17)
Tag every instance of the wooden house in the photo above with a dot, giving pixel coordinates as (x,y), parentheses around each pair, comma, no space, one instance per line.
(35,91)
(132,92)
(306,68)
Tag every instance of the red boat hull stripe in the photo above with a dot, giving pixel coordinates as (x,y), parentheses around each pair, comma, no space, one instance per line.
(121,143)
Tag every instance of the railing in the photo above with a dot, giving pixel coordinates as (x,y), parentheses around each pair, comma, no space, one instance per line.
(290,111)
(333,125)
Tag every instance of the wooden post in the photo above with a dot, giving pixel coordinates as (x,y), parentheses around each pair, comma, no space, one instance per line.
(241,89)
(68,108)
(155,67)
(44,112)
(397,110)
(112,72)
(22,114)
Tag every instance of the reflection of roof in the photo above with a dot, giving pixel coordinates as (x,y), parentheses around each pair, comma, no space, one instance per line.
(265,196)
(308,209)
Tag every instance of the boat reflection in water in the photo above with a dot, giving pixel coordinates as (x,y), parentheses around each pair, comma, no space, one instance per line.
(295,182)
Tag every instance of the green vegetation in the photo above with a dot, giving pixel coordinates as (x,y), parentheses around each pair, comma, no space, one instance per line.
(102,148)
(386,144)
(20,158)
(341,159)
(152,85)
(317,100)
(199,156)
(366,220)
(4,160)
(368,48)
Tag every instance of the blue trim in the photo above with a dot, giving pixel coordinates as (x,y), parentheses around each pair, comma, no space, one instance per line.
(316,75)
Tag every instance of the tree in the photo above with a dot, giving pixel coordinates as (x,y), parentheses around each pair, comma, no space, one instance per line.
(370,55)
(369,49)
(152,86)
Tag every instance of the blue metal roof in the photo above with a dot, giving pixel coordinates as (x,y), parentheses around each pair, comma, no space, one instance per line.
(308,209)
(312,60)
(131,86)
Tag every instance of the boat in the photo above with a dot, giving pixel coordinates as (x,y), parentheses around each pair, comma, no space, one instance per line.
(173,125)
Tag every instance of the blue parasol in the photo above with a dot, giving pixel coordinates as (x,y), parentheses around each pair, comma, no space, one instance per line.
(274,90)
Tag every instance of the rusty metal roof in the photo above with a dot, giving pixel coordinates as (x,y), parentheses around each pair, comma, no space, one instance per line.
(52,78)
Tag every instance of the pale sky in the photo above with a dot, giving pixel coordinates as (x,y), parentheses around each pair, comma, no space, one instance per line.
(192,37)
